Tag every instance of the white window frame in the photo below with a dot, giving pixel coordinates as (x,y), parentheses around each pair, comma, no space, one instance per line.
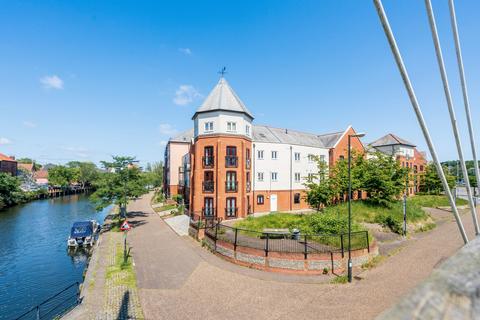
(276,155)
(322,158)
(209,126)
(310,158)
(274,176)
(297,177)
(231,126)
(260,176)
(260,152)
(297,156)
(247,130)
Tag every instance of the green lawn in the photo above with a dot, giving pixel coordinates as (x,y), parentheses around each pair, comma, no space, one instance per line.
(334,219)
(165,207)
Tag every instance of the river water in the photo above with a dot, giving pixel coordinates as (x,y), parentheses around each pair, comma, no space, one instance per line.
(34,261)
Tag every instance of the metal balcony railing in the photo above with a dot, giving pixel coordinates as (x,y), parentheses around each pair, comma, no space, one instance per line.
(208,186)
(231,161)
(248,163)
(208,161)
(231,212)
(208,212)
(231,186)
(248,186)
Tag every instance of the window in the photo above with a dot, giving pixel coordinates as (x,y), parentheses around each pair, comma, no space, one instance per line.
(232,126)
(231,183)
(208,206)
(247,130)
(310,176)
(231,157)
(341,157)
(260,154)
(296,198)
(297,156)
(421,168)
(311,158)
(260,176)
(274,155)
(260,199)
(274,176)
(297,176)
(208,126)
(231,208)
(322,158)
(247,158)
(208,156)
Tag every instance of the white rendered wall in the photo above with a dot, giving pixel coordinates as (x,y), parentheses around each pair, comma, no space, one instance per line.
(282,165)
(176,153)
(220,120)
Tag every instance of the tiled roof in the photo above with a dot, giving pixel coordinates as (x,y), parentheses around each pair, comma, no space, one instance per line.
(5,158)
(41,174)
(222,97)
(389,140)
(263,133)
(185,136)
(26,166)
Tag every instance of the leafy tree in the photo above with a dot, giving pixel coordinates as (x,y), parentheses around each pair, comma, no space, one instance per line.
(62,176)
(431,182)
(87,172)
(122,181)
(383,179)
(10,192)
(319,186)
(154,174)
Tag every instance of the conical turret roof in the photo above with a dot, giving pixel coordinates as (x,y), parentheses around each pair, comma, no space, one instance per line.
(222,97)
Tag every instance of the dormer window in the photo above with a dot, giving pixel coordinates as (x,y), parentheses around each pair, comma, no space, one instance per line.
(208,126)
(232,126)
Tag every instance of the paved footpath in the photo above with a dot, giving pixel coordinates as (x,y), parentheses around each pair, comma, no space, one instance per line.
(177,279)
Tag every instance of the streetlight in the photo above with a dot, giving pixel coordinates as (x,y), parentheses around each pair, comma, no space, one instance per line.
(358,135)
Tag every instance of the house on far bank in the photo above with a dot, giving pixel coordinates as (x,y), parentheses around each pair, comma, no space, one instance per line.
(41,177)
(8,164)
(407,154)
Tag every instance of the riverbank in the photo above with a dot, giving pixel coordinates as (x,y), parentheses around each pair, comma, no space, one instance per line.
(109,288)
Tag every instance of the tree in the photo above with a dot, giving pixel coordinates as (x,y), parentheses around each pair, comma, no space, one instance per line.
(87,172)
(383,179)
(154,174)
(10,192)
(319,186)
(62,176)
(122,181)
(431,182)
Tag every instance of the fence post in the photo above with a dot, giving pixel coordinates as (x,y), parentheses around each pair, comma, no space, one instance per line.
(368,242)
(235,244)
(266,246)
(341,244)
(38,312)
(305,247)
(216,232)
(78,293)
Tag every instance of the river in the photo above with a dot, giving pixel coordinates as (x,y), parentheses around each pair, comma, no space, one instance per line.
(34,260)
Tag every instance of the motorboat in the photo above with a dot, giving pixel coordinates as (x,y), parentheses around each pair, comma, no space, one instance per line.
(83,234)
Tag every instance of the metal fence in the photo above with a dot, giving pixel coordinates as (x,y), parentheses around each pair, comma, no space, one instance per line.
(199,221)
(55,306)
(288,242)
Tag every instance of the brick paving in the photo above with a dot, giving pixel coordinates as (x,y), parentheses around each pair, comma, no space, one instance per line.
(177,279)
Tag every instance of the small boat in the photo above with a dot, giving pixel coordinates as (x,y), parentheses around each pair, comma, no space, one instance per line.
(83,233)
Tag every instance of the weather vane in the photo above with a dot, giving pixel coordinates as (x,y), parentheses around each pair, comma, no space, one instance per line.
(223,71)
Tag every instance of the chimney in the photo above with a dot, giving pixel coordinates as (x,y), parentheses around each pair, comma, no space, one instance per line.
(286,131)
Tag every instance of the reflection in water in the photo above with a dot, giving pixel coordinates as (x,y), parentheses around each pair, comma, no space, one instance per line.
(34,261)
(79,255)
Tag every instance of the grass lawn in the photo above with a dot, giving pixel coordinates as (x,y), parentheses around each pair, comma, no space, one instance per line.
(165,207)
(334,219)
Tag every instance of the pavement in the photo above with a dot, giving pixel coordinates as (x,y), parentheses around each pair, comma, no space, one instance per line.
(179,224)
(177,279)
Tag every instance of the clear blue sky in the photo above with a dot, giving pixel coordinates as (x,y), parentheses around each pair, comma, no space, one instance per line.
(88,79)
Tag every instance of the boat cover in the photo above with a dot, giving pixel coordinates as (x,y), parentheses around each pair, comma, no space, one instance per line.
(82,229)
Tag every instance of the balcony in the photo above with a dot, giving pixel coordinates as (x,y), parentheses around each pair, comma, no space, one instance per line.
(231,212)
(208,212)
(231,161)
(208,186)
(248,186)
(208,161)
(231,186)
(247,163)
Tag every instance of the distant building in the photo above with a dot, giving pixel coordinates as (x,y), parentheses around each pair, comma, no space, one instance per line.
(8,164)
(228,167)
(41,177)
(406,154)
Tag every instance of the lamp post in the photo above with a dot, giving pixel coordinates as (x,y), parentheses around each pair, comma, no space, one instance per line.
(358,135)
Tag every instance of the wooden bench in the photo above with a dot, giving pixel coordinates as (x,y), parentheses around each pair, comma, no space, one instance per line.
(275,233)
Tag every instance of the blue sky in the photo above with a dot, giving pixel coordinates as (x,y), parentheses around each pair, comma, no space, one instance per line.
(83,80)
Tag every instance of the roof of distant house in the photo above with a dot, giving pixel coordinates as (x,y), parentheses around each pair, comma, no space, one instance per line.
(26,166)
(222,97)
(6,158)
(262,133)
(41,174)
(391,140)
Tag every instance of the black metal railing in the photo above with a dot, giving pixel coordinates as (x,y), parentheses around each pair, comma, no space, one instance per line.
(208,186)
(208,161)
(248,186)
(231,212)
(231,186)
(208,212)
(201,221)
(55,306)
(289,242)
(231,161)
(247,163)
